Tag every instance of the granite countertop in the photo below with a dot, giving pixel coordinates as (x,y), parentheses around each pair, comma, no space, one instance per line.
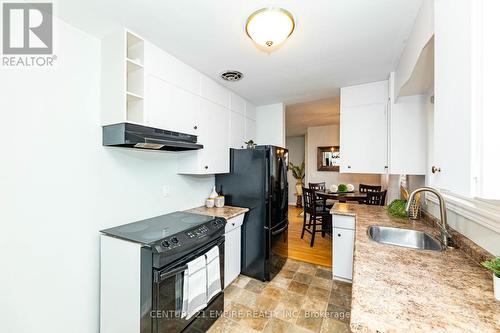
(227,212)
(397,289)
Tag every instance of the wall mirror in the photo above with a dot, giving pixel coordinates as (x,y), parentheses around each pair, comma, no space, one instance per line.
(329,158)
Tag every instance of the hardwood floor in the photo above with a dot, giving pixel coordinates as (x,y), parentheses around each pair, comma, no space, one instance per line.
(299,249)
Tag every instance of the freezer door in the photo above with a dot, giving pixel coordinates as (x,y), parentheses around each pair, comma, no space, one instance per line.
(278,185)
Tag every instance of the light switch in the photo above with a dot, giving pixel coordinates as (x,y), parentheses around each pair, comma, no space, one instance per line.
(165,190)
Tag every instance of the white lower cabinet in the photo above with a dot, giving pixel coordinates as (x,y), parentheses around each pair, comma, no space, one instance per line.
(343,246)
(232,249)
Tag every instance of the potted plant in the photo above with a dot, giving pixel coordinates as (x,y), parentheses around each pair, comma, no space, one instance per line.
(250,144)
(494,266)
(298,173)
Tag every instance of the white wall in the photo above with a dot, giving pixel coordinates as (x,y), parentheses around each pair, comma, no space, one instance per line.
(59,187)
(329,136)
(271,125)
(296,154)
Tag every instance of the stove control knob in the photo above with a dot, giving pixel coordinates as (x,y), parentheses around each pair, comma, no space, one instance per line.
(174,240)
(165,244)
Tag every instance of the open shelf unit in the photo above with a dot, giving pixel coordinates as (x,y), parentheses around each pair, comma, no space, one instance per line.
(134,60)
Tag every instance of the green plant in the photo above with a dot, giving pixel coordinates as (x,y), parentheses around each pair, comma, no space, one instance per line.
(250,144)
(298,173)
(342,188)
(493,265)
(397,208)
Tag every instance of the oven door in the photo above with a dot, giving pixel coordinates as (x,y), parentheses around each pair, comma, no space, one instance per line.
(168,296)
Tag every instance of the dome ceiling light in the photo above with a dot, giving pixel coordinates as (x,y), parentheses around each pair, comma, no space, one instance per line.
(270,27)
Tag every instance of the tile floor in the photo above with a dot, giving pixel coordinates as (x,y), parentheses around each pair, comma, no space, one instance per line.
(302,298)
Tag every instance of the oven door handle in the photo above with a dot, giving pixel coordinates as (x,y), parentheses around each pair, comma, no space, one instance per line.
(172,272)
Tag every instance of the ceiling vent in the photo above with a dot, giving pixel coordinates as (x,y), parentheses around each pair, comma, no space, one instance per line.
(231,76)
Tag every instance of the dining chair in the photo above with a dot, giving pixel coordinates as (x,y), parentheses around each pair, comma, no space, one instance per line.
(363,188)
(369,188)
(322,188)
(318,214)
(376,198)
(318,186)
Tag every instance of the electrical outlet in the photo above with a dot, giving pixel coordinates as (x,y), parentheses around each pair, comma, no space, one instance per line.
(166,191)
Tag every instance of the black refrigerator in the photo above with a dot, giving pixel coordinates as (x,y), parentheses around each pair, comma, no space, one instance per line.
(258,181)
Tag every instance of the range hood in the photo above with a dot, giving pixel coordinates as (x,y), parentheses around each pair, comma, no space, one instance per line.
(143,137)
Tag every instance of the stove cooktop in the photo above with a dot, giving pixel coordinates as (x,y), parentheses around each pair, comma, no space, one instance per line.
(152,230)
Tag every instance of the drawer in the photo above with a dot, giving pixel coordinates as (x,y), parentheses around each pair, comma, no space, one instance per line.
(343,221)
(234,222)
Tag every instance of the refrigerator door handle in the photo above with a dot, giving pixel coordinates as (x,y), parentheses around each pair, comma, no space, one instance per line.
(281,230)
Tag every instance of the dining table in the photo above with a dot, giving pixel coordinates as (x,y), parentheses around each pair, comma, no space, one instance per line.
(342,196)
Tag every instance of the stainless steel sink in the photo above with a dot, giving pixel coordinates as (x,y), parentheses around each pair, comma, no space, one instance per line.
(404,237)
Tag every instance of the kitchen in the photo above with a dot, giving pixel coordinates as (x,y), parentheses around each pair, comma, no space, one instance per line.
(157,66)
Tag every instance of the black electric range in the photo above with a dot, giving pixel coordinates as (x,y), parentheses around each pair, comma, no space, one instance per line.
(172,235)
(169,242)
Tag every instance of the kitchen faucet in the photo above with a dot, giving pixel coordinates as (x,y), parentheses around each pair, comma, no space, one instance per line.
(445,236)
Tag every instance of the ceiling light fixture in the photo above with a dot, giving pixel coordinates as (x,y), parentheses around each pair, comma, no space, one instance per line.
(270,27)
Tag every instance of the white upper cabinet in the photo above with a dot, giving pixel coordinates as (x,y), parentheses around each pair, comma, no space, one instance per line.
(168,68)
(169,107)
(453,91)
(250,111)
(381,134)
(237,134)
(214,92)
(214,125)
(364,94)
(363,128)
(408,133)
(143,84)
(250,129)
(122,78)
(237,104)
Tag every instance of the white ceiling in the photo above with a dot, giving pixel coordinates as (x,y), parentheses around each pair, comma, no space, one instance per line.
(336,42)
(309,114)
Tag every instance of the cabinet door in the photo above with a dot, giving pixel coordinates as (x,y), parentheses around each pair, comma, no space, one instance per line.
(232,256)
(408,138)
(214,92)
(237,138)
(363,139)
(237,104)
(250,111)
(170,69)
(453,89)
(250,129)
(169,107)
(158,101)
(214,135)
(343,251)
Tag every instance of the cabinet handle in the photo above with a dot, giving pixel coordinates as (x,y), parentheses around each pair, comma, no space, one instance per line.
(234,224)
(348,167)
(435,169)
(195,127)
(206,167)
(386,167)
(338,235)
